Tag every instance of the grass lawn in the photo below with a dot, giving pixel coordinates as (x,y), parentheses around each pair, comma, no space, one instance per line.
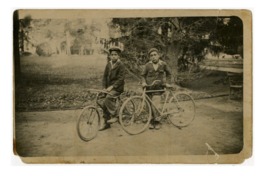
(61,82)
(58,82)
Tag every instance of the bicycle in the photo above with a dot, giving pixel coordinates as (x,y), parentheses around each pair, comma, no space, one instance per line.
(178,108)
(89,120)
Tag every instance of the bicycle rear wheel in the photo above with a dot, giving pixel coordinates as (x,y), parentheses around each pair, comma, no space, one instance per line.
(88,123)
(182,110)
(135,115)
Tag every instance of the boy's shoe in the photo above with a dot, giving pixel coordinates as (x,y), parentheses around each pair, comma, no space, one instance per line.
(112,120)
(151,126)
(105,126)
(157,126)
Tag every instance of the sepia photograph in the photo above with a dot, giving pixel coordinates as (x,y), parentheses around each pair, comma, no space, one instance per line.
(132,86)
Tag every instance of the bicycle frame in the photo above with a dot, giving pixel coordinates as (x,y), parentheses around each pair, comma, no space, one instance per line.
(146,98)
(118,100)
(141,113)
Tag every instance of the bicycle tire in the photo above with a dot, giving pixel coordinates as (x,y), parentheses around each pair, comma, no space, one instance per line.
(133,117)
(88,123)
(184,110)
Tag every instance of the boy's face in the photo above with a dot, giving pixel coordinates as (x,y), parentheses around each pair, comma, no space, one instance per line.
(154,57)
(114,56)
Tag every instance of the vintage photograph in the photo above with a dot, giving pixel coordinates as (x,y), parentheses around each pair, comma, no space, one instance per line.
(132,86)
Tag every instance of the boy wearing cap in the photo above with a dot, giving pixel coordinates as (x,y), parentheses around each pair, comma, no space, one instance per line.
(155,69)
(113,83)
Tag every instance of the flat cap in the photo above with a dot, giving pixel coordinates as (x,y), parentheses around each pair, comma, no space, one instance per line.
(152,50)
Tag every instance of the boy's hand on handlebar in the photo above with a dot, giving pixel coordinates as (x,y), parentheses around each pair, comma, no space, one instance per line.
(144,85)
(168,85)
(109,88)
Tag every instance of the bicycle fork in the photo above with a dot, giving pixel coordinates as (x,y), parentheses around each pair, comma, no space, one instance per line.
(166,101)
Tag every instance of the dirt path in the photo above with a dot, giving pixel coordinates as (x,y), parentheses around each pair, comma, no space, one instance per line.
(218,122)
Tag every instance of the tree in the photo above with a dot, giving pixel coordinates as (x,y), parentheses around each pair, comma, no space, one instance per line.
(24,30)
(229,34)
(63,35)
(177,36)
(171,35)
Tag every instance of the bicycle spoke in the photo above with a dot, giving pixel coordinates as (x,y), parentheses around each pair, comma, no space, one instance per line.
(88,123)
(137,118)
(185,106)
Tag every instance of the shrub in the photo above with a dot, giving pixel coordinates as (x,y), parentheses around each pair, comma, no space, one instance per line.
(44,49)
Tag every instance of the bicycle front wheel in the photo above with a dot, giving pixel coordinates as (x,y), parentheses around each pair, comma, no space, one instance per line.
(181,110)
(88,123)
(135,115)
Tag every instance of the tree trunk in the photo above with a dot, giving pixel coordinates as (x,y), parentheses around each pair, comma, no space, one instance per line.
(173,51)
(58,46)
(22,39)
(58,49)
(81,51)
(68,43)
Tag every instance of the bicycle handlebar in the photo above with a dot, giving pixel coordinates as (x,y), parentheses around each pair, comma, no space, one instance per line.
(156,82)
(99,91)
(153,83)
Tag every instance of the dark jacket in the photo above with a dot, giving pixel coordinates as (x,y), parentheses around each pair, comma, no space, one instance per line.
(162,73)
(114,76)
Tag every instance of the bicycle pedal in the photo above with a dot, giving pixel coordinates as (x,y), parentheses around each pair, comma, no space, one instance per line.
(144,120)
(157,119)
(138,122)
